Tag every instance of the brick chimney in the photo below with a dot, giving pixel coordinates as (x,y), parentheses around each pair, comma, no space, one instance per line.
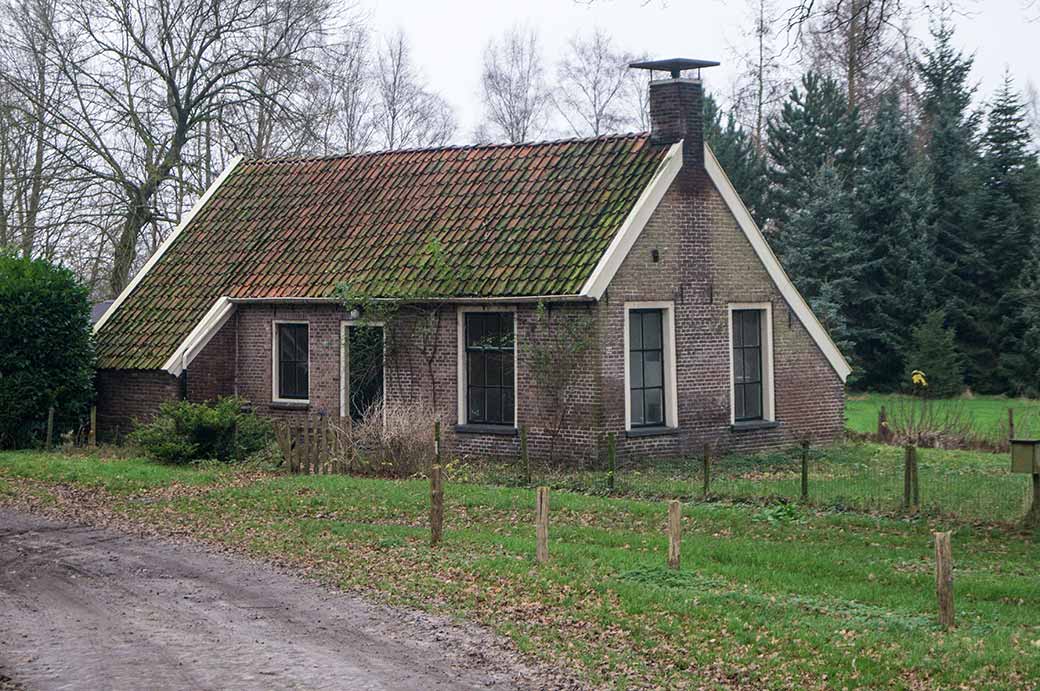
(677,106)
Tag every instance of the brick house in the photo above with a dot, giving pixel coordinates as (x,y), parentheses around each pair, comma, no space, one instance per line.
(700,337)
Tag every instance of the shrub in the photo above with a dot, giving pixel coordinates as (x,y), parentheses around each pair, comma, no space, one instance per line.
(390,440)
(183,432)
(46,351)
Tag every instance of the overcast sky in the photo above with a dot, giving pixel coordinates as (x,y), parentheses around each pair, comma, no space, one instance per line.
(448,36)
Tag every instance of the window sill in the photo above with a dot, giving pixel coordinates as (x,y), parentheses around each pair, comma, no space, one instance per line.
(752,425)
(652,431)
(497,430)
(290,405)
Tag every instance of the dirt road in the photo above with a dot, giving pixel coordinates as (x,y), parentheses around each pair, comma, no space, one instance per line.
(89,608)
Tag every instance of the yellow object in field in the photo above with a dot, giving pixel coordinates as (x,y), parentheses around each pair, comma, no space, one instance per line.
(918,378)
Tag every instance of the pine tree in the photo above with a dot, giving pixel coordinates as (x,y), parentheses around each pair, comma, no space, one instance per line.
(814,128)
(890,214)
(821,247)
(950,132)
(738,155)
(1008,206)
(933,350)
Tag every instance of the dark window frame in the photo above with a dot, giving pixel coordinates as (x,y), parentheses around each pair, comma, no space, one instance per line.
(300,391)
(662,314)
(486,355)
(740,349)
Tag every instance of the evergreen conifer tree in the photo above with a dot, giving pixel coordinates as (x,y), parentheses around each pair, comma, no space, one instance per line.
(933,350)
(890,214)
(738,155)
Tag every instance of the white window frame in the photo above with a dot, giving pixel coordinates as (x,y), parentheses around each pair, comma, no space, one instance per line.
(768,380)
(274,362)
(671,396)
(462,370)
(344,362)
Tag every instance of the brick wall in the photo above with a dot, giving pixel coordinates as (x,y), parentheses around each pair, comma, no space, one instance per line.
(124,396)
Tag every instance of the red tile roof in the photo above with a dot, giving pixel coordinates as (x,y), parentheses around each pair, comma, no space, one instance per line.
(515,221)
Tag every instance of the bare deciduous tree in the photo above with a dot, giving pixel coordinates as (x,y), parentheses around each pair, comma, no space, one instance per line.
(409,114)
(143,79)
(516,98)
(761,83)
(592,77)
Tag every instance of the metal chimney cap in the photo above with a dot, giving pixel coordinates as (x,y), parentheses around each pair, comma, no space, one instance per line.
(673,65)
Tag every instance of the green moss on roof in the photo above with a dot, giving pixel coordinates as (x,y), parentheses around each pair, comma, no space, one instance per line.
(523,220)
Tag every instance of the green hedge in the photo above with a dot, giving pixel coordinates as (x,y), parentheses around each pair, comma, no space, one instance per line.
(184,432)
(46,350)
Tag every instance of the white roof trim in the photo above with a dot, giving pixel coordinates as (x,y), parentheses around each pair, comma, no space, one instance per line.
(644,207)
(166,243)
(772,264)
(200,336)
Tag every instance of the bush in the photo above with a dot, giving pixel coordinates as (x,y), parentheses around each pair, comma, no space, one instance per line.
(390,440)
(183,432)
(46,350)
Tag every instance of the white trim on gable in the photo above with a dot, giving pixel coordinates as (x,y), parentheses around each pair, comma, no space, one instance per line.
(627,235)
(166,244)
(772,265)
(200,336)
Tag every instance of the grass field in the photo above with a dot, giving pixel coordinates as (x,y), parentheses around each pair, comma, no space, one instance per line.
(987,415)
(768,597)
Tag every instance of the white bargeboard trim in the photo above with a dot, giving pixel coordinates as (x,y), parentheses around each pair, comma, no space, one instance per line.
(772,265)
(167,242)
(626,237)
(200,336)
(766,343)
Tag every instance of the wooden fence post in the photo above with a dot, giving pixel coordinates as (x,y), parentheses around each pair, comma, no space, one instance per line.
(1011,423)
(915,487)
(436,505)
(805,471)
(882,425)
(92,437)
(611,460)
(907,452)
(50,427)
(524,458)
(944,578)
(541,525)
(707,470)
(674,534)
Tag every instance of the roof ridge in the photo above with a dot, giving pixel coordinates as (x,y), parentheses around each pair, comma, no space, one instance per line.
(290,158)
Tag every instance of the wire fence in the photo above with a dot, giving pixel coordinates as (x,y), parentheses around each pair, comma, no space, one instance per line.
(851,477)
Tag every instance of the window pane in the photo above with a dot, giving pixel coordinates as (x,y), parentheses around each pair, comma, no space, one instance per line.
(637,406)
(738,329)
(752,364)
(752,327)
(753,401)
(476,405)
(494,369)
(507,369)
(475,373)
(474,329)
(739,373)
(654,399)
(652,330)
(635,331)
(738,401)
(507,405)
(493,413)
(653,374)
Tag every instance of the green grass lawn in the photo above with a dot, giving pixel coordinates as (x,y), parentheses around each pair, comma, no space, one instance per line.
(766,597)
(987,415)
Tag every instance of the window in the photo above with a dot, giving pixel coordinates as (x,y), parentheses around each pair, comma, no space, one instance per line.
(291,380)
(489,352)
(646,367)
(747,365)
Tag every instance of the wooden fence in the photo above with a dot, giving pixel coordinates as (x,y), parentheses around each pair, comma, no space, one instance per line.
(315,446)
